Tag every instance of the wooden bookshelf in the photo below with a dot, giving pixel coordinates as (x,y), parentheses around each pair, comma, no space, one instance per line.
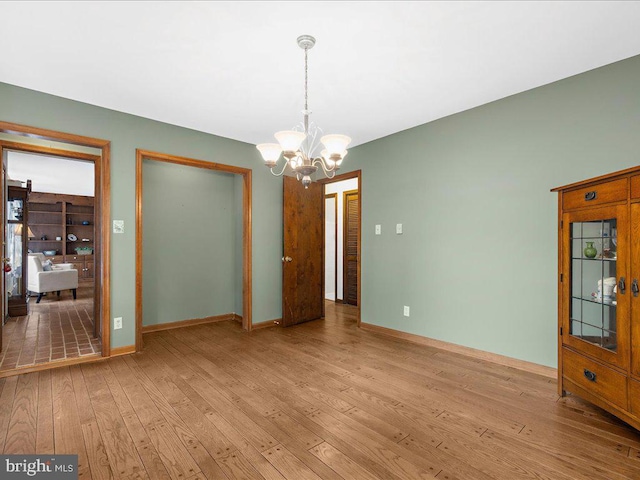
(53,221)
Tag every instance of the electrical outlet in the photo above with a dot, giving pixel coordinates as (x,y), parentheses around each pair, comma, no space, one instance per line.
(406,311)
(117,323)
(378,229)
(399,229)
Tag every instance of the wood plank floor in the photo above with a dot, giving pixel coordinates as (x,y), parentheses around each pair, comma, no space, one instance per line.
(323,400)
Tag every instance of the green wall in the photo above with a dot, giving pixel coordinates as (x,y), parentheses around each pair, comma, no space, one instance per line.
(190,242)
(477,260)
(128,132)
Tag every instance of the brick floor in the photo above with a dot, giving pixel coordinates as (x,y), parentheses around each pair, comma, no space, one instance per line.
(55,329)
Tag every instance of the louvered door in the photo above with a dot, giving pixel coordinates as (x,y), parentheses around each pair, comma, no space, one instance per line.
(350,269)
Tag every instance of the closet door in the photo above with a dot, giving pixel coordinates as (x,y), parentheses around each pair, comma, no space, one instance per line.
(350,247)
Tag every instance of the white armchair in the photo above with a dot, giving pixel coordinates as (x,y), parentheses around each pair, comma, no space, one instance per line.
(61,277)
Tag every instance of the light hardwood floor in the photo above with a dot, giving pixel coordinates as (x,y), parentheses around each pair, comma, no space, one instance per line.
(323,400)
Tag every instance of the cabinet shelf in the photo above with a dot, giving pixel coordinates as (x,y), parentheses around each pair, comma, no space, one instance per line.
(593,238)
(46,241)
(596,259)
(614,303)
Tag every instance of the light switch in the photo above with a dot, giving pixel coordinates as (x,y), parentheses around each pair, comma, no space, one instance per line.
(399,229)
(378,229)
(118,226)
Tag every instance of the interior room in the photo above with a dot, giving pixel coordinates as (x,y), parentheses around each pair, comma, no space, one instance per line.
(482,159)
(49,273)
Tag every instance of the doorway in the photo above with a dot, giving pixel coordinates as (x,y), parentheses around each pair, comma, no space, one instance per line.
(207,230)
(331,246)
(50,243)
(305,246)
(342,239)
(90,312)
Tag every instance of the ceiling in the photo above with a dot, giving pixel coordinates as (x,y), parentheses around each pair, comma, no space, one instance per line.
(52,174)
(234,68)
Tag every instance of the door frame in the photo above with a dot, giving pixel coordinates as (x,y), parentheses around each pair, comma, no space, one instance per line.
(338,178)
(102,195)
(246,229)
(327,196)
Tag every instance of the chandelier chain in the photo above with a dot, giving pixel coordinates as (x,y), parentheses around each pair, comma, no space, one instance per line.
(306,81)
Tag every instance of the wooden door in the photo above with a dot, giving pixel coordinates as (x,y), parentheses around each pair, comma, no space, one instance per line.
(350,249)
(302,266)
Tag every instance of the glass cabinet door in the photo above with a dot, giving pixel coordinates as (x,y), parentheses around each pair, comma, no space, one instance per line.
(14,252)
(13,235)
(593,309)
(597,306)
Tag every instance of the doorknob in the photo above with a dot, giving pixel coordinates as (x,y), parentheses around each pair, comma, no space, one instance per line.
(286,259)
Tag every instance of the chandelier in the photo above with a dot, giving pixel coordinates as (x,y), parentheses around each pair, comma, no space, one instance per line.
(299,146)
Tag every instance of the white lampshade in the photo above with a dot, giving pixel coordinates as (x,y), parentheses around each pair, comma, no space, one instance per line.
(270,152)
(290,140)
(335,143)
(327,157)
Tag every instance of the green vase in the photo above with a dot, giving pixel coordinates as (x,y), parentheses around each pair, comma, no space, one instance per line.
(590,251)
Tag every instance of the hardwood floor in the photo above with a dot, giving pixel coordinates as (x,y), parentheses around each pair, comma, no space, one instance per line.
(322,400)
(57,328)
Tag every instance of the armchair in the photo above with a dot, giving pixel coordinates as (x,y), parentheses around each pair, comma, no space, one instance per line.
(60,277)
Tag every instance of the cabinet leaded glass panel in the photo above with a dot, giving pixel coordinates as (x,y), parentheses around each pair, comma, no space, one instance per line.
(593,282)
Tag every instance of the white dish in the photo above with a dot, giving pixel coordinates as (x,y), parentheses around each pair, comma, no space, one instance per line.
(71,237)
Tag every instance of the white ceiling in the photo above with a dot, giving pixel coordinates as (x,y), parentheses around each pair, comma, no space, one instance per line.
(234,69)
(52,174)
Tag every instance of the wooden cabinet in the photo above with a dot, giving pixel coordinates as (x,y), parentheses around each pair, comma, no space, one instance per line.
(63,228)
(84,265)
(599,292)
